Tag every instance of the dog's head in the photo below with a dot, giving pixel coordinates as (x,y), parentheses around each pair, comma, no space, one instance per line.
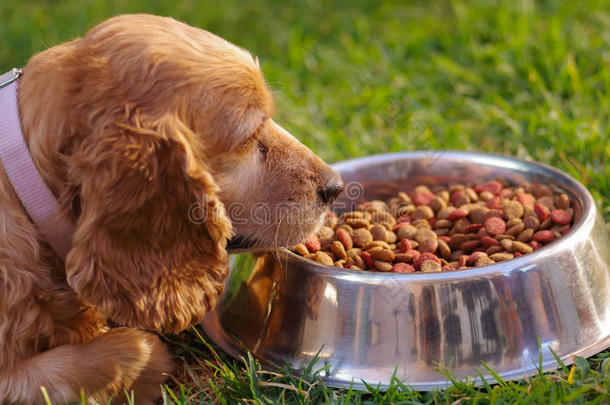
(170,151)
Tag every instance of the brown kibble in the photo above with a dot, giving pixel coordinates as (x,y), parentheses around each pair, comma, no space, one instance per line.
(338,250)
(427,239)
(354,267)
(457,240)
(483,260)
(494,249)
(500,257)
(359,262)
(391,237)
(376,243)
(515,229)
(353,252)
(520,247)
(362,237)
(380,253)
(548,201)
(324,258)
(357,222)
(406,232)
(301,249)
(340,263)
(378,232)
(507,244)
(345,238)
(383,266)
(512,209)
(431,266)
(422,212)
(479,215)
(531,222)
(562,201)
(406,257)
(443,213)
(443,223)
(526,235)
(437,204)
(444,250)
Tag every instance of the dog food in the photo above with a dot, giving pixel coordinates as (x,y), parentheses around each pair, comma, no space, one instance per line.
(452,228)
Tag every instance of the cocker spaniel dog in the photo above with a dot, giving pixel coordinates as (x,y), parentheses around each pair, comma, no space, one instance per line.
(157,141)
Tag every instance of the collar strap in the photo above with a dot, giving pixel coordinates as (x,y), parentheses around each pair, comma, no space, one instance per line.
(40,204)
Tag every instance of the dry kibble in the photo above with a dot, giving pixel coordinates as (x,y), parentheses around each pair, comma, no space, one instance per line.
(431,266)
(338,250)
(345,238)
(383,266)
(422,212)
(323,258)
(526,235)
(512,209)
(362,237)
(406,232)
(301,249)
(378,232)
(449,228)
(379,253)
(427,239)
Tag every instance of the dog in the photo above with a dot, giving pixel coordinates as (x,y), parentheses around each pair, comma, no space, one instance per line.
(157,140)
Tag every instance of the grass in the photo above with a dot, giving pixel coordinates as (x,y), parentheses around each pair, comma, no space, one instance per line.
(524,78)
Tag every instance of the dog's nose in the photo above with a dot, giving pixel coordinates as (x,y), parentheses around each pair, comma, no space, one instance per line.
(331,189)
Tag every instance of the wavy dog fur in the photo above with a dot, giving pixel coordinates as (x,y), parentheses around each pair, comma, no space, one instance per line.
(130,126)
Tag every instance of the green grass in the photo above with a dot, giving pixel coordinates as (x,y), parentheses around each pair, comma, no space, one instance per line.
(525,78)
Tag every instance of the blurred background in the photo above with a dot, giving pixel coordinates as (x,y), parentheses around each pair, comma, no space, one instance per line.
(526,78)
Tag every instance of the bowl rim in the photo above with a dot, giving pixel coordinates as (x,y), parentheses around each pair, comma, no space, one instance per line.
(522,263)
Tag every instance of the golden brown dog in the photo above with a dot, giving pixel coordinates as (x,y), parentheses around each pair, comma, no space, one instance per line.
(147,130)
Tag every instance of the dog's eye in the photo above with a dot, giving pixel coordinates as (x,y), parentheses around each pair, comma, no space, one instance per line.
(262,148)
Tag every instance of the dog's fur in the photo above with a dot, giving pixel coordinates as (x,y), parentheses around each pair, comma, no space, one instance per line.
(147,130)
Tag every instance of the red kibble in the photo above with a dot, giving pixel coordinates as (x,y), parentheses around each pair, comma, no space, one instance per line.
(457,214)
(405,219)
(344,237)
(526,200)
(561,217)
(432,221)
(544,236)
(494,203)
(404,245)
(423,198)
(517,254)
(312,244)
(456,194)
(368,260)
(506,193)
(473,258)
(470,245)
(444,238)
(417,262)
(535,245)
(462,261)
(403,268)
(472,228)
(482,232)
(493,187)
(564,229)
(495,226)
(488,241)
(542,211)
(447,267)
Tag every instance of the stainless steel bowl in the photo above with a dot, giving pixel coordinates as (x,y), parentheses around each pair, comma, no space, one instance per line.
(369,326)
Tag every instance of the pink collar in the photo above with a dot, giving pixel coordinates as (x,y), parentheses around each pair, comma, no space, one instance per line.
(40,204)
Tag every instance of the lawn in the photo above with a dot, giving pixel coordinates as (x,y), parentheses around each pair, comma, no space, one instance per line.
(525,78)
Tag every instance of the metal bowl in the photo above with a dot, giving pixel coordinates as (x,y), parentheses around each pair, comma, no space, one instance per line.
(510,316)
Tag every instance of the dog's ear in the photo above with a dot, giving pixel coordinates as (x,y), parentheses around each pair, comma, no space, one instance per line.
(149,247)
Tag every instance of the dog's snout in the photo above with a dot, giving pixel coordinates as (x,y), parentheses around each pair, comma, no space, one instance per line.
(333,186)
